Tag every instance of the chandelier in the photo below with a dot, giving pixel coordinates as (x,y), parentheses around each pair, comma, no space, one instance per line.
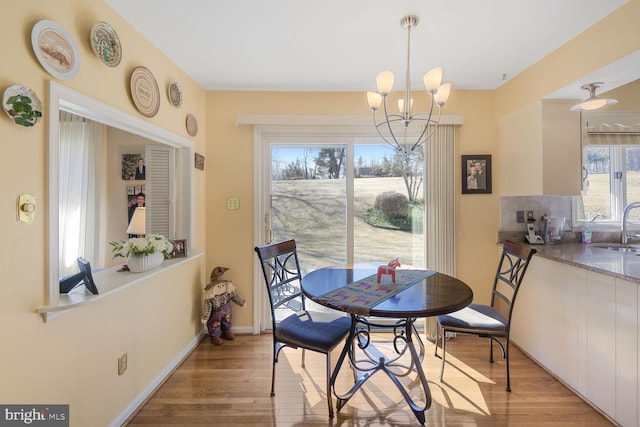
(396,129)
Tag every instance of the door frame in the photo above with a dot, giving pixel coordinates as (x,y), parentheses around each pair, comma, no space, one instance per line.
(268,126)
(264,137)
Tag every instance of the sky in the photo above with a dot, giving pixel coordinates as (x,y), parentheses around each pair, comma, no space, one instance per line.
(367,152)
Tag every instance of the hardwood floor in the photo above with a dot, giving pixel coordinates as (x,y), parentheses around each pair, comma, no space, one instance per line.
(229,386)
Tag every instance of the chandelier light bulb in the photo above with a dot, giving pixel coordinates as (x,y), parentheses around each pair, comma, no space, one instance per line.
(374,99)
(401,105)
(384,81)
(442,94)
(432,80)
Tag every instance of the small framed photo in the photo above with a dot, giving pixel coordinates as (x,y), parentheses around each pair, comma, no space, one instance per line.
(199,161)
(133,167)
(179,248)
(476,174)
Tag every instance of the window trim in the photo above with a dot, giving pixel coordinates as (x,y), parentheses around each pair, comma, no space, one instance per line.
(64,98)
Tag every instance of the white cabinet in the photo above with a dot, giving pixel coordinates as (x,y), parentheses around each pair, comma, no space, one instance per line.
(584,327)
(627,357)
(540,150)
(601,339)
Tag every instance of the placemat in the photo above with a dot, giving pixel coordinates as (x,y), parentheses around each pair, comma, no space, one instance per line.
(361,296)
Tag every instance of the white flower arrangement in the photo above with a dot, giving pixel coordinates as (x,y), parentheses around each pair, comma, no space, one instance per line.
(143,246)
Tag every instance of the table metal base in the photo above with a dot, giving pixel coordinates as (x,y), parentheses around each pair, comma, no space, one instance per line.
(370,360)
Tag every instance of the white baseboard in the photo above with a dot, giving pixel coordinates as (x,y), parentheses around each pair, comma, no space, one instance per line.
(162,376)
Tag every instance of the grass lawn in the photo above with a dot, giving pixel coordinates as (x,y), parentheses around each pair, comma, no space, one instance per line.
(597,199)
(314,213)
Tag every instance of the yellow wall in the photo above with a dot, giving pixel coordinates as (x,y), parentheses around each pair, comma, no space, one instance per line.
(230,149)
(72,359)
(230,164)
(628,97)
(611,39)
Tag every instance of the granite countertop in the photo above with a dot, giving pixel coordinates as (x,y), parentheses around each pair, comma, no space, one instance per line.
(595,257)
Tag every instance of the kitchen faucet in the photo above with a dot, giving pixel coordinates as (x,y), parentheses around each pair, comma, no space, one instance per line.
(625,237)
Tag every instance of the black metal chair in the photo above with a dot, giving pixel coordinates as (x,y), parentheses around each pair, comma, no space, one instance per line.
(308,330)
(488,321)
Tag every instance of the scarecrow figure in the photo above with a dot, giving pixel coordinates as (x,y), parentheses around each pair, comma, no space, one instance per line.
(216,306)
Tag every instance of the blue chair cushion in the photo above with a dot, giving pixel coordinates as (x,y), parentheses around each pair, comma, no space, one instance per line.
(475,317)
(313,330)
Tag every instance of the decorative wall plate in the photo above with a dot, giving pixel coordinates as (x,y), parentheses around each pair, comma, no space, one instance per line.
(192,125)
(144,92)
(55,49)
(22,105)
(106,44)
(175,94)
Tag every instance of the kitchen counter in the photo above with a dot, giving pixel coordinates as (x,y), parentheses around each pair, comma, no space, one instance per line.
(577,316)
(594,257)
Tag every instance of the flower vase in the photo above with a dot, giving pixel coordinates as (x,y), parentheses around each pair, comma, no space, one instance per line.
(141,263)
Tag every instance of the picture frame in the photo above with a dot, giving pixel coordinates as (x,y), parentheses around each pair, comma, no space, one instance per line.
(476,174)
(131,164)
(199,161)
(179,248)
(132,200)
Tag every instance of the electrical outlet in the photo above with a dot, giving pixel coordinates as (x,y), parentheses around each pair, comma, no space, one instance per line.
(520,217)
(530,216)
(233,203)
(122,363)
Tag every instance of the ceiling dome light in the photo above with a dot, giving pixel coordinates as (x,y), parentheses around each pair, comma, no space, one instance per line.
(593,102)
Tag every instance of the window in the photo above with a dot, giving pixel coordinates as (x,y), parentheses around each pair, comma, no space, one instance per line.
(81,146)
(611,166)
(173,150)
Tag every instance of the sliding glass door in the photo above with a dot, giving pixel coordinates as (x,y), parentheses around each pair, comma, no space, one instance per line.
(309,201)
(354,202)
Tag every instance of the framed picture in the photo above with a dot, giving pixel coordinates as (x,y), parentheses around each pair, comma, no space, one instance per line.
(179,248)
(199,161)
(135,198)
(476,174)
(133,167)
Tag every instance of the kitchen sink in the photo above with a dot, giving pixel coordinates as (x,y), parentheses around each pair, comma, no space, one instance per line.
(630,249)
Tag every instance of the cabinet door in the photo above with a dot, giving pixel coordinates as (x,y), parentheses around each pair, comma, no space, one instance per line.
(540,145)
(601,336)
(582,313)
(525,331)
(551,317)
(626,353)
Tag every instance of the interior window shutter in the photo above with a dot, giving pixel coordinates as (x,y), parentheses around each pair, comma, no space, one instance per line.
(159,187)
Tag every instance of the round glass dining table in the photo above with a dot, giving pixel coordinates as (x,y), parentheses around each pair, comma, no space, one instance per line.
(430,294)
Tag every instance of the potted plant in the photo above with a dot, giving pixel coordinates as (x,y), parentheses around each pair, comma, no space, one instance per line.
(143,253)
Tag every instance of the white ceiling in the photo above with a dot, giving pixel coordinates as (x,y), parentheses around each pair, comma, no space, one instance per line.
(340,45)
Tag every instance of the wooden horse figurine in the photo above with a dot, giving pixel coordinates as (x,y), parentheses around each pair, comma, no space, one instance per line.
(389,269)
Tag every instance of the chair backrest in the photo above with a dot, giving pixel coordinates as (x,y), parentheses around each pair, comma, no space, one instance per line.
(281,269)
(511,269)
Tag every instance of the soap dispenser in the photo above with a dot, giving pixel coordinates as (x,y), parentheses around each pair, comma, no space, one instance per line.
(586,235)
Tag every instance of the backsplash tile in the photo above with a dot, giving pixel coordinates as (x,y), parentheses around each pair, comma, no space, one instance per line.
(554,206)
